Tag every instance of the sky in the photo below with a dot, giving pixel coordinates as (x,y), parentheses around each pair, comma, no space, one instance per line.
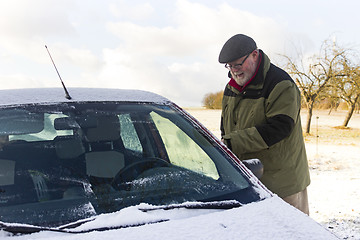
(163,46)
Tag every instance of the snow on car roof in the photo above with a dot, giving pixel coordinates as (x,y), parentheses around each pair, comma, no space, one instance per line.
(51,95)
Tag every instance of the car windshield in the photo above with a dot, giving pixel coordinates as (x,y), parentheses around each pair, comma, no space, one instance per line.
(60,163)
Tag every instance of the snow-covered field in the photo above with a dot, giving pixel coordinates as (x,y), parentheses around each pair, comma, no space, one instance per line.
(334,158)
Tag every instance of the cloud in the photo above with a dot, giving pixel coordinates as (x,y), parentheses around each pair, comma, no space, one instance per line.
(131,10)
(171,50)
(34,18)
(180,60)
(11,81)
(27,25)
(81,58)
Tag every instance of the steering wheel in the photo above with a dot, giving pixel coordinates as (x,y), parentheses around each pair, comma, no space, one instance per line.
(131,171)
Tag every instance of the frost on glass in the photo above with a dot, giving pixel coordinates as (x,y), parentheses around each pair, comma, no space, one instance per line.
(182,150)
(128,134)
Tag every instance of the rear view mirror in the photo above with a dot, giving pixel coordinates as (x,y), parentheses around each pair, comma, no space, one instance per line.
(255,166)
(67,123)
(20,121)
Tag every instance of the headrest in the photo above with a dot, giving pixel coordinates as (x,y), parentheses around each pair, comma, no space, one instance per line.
(104,164)
(108,129)
(69,148)
(7,172)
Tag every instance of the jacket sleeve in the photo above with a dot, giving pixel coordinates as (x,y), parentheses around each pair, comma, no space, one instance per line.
(222,127)
(282,109)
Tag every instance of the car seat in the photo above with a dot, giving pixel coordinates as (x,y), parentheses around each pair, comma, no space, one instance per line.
(103,158)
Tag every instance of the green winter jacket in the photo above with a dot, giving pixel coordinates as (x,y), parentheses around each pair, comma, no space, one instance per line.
(263,121)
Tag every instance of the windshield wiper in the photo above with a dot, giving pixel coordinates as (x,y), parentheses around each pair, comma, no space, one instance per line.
(17,228)
(28,229)
(196,205)
(25,229)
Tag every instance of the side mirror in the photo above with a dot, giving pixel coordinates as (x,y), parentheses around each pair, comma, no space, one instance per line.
(255,166)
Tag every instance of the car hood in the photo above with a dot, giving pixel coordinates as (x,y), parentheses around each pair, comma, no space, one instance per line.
(271,218)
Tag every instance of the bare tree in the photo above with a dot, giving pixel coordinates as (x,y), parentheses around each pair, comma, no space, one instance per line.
(348,88)
(331,97)
(314,78)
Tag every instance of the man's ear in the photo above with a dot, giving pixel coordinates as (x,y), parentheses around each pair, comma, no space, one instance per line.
(229,74)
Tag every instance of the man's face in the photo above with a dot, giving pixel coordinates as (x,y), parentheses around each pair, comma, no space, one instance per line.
(244,68)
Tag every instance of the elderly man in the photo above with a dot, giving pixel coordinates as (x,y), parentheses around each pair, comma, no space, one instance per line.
(261,119)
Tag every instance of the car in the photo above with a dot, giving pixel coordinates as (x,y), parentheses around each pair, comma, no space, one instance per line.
(130,164)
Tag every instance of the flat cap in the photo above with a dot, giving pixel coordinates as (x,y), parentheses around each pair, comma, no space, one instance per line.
(236,47)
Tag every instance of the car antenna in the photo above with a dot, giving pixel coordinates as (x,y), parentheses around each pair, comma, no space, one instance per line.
(67,95)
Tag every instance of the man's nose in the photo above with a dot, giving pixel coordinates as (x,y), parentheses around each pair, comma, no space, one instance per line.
(235,69)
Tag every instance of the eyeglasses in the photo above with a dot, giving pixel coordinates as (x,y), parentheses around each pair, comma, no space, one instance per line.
(237,66)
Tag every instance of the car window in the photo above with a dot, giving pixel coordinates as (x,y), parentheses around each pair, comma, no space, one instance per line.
(182,150)
(48,132)
(128,134)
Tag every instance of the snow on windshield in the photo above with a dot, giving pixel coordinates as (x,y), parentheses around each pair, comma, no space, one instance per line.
(268,219)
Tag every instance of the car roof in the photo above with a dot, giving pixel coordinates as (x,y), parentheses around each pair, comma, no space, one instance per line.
(57,95)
